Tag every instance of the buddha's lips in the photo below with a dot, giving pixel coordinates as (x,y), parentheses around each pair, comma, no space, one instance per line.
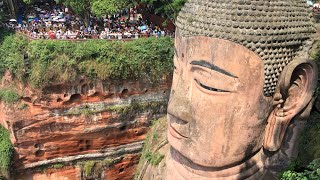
(175,133)
(177,127)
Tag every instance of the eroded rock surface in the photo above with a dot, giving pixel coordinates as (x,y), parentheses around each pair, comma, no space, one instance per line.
(83,130)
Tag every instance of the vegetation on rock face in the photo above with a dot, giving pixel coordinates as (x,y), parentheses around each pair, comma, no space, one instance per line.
(49,62)
(307,164)
(154,158)
(6,151)
(124,111)
(12,49)
(310,140)
(155,139)
(311,172)
(8,96)
(92,169)
(88,168)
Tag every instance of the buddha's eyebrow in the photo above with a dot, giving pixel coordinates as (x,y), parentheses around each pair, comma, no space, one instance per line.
(212,67)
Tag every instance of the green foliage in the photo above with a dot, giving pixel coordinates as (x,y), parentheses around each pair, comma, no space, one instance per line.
(8,96)
(108,7)
(167,8)
(316,55)
(88,167)
(94,168)
(312,172)
(155,136)
(23,106)
(147,59)
(6,151)
(125,112)
(97,7)
(78,6)
(28,1)
(12,49)
(309,148)
(57,166)
(153,158)
(309,151)
(4,33)
(2,16)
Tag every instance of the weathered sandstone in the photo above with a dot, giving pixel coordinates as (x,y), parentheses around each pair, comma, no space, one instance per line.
(65,127)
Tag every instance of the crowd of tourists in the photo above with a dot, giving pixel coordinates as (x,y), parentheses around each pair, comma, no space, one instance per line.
(59,22)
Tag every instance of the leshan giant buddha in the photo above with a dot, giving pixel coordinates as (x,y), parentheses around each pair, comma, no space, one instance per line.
(241,75)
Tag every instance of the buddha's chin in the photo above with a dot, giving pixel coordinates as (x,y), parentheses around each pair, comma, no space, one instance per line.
(186,150)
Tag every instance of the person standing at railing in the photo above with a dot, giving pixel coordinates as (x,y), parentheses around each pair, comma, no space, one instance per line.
(58,34)
(158,33)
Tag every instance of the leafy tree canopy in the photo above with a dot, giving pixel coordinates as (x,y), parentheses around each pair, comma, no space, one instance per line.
(166,8)
(79,6)
(97,7)
(28,1)
(103,7)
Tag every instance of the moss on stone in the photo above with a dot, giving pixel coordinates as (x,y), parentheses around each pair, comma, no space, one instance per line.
(124,111)
(94,168)
(6,151)
(153,158)
(88,167)
(9,96)
(58,166)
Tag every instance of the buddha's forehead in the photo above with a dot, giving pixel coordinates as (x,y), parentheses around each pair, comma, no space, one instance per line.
(212,47)
(225,54)
(275,30)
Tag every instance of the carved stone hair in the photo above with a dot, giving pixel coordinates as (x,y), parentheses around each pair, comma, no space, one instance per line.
(276,30)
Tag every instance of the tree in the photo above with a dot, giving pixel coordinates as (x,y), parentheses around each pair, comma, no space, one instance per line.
(97,7)
(166,8)
(108,7)
(28,1)
(81,7)
(11,7)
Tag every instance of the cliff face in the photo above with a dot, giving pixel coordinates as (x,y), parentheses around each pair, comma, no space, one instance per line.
(83,130)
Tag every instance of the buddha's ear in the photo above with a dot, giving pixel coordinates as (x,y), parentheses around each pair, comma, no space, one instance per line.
(293,95)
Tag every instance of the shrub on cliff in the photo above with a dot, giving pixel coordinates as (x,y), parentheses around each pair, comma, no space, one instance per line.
(309,148)
(8,96)
(60,61)
(11,54)
(47,62)
(312,172)
(5,152)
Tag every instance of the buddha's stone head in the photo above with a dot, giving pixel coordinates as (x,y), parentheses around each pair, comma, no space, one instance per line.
(241,75)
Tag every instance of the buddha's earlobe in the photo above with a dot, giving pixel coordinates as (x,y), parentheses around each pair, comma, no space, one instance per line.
(294,93)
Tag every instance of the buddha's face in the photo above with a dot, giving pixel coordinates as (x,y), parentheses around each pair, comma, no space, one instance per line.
(217,111)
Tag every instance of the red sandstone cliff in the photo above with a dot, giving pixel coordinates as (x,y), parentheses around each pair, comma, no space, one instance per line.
(83,130)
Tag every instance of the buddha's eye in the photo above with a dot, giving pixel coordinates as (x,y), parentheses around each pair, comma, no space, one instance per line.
(210,78)
(208,87)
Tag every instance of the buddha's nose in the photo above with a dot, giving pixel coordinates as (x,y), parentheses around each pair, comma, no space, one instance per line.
(179,103)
